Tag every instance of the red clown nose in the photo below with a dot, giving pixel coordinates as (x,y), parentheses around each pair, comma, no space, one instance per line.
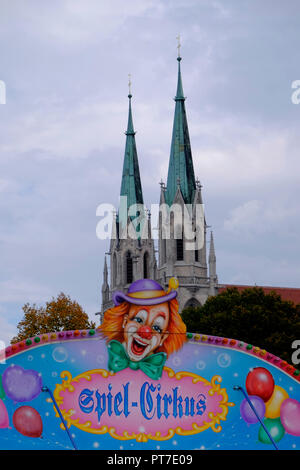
(145,332)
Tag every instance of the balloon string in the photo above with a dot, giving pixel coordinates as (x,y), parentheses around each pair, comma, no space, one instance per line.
(47,389)
(238,387)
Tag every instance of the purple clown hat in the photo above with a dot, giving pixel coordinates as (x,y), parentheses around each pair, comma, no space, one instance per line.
(147,292)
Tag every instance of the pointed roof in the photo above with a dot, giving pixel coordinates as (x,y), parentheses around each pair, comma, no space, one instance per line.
(212,254)
(131,186)
(105,272)
(179,91)
(181,166)
(105,276)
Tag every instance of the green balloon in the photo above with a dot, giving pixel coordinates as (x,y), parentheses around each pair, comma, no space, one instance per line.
(275,429)
(2,393)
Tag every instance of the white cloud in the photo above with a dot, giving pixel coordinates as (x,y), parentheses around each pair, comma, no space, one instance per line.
(7,185)
(16,290)
(7,330)
(242,268)
(74,23)
(245,217)
(52,131)
(257,217)
(235,154)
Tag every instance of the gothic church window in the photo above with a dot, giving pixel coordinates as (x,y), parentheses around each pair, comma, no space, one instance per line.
(114,273)
(164,250)
(146,265)
(129,268)
(178,233)
(179,249)
(196,251)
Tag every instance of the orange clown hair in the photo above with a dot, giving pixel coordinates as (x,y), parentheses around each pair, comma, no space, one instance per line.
(112,326)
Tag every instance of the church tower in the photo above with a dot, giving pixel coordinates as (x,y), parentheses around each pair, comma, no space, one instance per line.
(182,247)
(132,252)
(180,255)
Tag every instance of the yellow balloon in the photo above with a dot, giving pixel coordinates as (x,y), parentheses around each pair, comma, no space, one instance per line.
(274,403)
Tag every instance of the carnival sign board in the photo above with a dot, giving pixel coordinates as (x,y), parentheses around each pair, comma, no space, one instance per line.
(141,382)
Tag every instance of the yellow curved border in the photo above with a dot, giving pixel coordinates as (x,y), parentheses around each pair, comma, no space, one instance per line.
(214,424)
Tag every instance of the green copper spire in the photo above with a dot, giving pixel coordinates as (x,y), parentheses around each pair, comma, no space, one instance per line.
(131,182)
(181,169)
(179,92)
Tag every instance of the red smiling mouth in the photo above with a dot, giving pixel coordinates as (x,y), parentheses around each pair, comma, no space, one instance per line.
(138,347)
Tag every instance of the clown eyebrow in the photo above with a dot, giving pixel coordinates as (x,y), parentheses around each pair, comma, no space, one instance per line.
(135,312)
(161,314)
(139,308)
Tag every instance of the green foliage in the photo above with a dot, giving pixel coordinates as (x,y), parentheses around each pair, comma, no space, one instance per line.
(59,314)
(264,320)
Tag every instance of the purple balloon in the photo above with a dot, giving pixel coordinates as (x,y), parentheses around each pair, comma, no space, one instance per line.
(248,414)
(21,384)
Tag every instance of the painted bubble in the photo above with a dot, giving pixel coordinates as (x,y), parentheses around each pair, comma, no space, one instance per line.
(200,365)
(60,354)
(100,358)
(224,360)
(176,361)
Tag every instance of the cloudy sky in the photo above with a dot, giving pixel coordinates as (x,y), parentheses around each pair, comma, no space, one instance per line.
(65,65)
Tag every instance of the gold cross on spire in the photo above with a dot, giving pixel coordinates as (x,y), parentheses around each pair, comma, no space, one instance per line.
(129,83)
(179,45)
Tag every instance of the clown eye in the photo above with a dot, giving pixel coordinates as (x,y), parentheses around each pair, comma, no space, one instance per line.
(157,328)
(138,320)
(141,316)
(159,324)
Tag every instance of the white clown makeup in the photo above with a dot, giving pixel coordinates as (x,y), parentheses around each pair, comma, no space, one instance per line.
(145,329)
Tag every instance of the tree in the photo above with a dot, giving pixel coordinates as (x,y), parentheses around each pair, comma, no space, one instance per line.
(59,314)
(263,320)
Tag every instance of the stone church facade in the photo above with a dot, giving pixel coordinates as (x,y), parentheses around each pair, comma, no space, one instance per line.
(133,258)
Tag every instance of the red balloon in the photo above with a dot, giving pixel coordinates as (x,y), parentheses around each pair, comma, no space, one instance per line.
(28,421)
(260,382)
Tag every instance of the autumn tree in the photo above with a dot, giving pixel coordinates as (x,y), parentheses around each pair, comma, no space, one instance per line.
(263,320)
(59,314)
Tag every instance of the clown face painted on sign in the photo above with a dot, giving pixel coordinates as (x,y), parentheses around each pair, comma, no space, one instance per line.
(144,327)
